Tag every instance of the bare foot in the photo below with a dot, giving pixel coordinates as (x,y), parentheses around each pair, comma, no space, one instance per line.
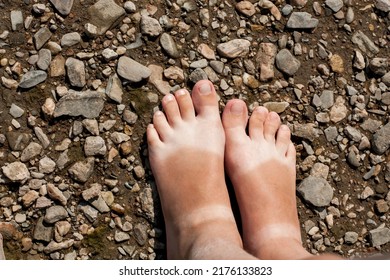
(186,153)
(262,169)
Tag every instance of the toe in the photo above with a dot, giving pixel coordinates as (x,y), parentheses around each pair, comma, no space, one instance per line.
(271,126)
(171,109)
(256,123)
(186,106)
(205,99)
(152,136)
(291,153)
(161,125)
(234,119)
(283,139)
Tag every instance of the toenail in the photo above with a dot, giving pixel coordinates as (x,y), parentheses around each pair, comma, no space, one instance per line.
(181,92)
(205,88)
(237,108)
(168,97)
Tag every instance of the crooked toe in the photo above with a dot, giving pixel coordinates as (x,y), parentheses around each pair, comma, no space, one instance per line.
(161,125)
(171,109)
(185,104)
(152,136)
(271,126)
(283,139)
(256,123)
(205,99)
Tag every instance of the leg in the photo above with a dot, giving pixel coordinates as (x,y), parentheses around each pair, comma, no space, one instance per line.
(262,168)
(2,256)
(186,153)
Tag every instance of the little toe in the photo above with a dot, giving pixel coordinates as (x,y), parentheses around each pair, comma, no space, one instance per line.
(291,153)
(186,106)
(271,126)
(171,109)
(205,99)
(152,136)
(256,123)
(283,139)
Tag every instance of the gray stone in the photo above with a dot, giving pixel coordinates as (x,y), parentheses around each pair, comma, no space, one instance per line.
(31,151)
(114,88)
(351,237)
(16,20)
(287,63)
(131,70)
(352,133)
(32,78)
(379,236)
(76,72)
(150,26)
(90,213)
(353,158)
(307,131)
(197,75)
(140,234)
(378,66)
(381,140)
(119,137)
(95,146)
(338,111)
(63,6)
(15,111)
(331,133)
(383,5)
(334,5)
(386,98)
(234,48)
(70,39)
(82,170)
(16,171)
(130,7)
(121,236)
(201,63)
(109,54)
(316,191)
(86,103)
(371,125)
(54,246)
(301,20)
(327,99)
(42,231)
(42,137)
(359,61)
(105,14)
(364,43)
(386,79)
(55,213)
(41,37)
(44,59)
(169,45)
(350,16)
(17,141)
(46,165)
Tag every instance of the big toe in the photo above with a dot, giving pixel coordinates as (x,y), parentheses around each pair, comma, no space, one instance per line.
(205,99)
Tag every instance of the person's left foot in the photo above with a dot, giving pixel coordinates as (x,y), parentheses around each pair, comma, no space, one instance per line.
(2,256)
(186,153)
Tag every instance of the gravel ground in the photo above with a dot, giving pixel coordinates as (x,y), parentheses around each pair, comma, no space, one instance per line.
(80,81)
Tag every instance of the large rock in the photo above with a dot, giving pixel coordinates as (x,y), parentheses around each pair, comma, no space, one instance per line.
(85,103)
(42,231)
(55,213)
(287,63)
(114,88)
(379,236)
(16,171)
(150,26)
(364,43)
(316,191)
(383,5)
(234,48)
(169,45)
(94,146)
(41,37)
(132,70)
(105,14)
(381,139)
(63,6)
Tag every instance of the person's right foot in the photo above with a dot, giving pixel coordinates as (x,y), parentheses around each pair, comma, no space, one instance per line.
(262,169)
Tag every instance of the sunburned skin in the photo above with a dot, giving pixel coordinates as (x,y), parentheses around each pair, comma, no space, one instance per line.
(188,157)
(186,153)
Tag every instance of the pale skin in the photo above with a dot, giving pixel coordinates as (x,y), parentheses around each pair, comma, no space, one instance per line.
(189,150)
